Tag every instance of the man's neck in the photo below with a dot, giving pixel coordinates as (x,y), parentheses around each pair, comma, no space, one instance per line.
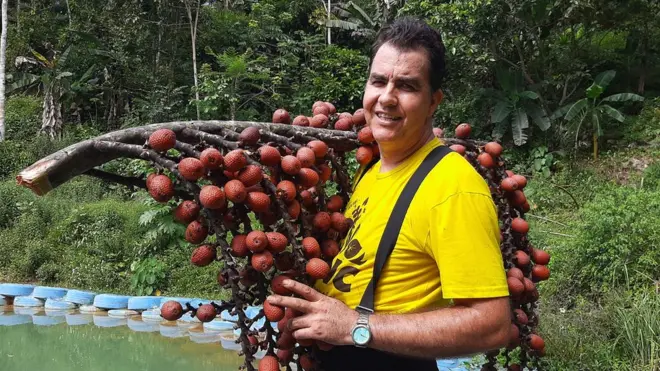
(391,158)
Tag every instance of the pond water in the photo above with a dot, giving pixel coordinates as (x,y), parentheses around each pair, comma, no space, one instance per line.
(33,339)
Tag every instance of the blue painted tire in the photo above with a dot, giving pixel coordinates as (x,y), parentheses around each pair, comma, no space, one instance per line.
(79,319)
(16,289)
(252,312)
(45,292)
(452,364)
(15,319)
(204,337)
(89,309)
(59,304)
(138,325)
(28,301)
(152,316)
(108,301)
(80,297)
(122,313)
(105,321)
(225,316)
(3,301)
(172,331)
(144,302)
(188,318)
(41,320)
(181,301)
(218,325)
(28,311)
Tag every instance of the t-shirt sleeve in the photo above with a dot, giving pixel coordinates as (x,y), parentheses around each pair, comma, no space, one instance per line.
(464,241)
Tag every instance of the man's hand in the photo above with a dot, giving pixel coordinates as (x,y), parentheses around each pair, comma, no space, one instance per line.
(323,318)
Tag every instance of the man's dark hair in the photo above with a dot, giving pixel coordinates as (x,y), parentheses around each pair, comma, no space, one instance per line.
(409,33)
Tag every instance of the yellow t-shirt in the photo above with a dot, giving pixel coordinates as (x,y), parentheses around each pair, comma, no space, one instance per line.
(448,246)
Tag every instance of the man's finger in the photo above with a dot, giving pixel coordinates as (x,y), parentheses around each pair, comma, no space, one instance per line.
(302,290)
(300,305)
(305,334)
(299,322)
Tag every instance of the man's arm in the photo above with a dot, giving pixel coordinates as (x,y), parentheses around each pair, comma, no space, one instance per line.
(471,326)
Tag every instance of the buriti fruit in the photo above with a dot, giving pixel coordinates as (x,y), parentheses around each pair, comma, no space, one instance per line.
(203,255)
(191,168)
(235,160)
(162,140)
(161,188)
(211,158)
(206,313)
(171,310)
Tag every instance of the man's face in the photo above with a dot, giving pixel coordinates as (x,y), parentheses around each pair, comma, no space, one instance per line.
(397,99)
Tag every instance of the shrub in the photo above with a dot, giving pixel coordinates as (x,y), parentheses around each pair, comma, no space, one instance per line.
(22,117)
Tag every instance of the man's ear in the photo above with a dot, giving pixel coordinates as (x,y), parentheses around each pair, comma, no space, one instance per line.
(436,98)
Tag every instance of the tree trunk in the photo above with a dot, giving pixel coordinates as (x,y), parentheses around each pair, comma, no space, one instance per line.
(595,139)
(51,118)
(3,49)
(18,15)
(193,40)
(68,10)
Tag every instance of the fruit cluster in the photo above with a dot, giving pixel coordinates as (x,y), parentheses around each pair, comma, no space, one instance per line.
(222,185)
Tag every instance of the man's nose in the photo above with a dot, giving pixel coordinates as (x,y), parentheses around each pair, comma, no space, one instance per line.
(388,96)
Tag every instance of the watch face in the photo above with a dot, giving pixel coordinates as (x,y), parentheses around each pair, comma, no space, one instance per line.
(361,335)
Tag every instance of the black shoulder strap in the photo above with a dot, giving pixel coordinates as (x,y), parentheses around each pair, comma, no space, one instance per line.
(393,226)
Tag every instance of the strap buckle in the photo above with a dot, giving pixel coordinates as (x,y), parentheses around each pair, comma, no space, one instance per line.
(362,309)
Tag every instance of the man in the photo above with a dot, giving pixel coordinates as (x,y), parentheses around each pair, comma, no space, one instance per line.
(442,292)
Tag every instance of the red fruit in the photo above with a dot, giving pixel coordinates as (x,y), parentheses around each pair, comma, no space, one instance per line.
(306,156)
(293,209)
(517,197)
(438,132)
(307,198)
(493,148)
(235,160)
(206,313)
(281,116)
(290,165)
(509,173)
(306,342)
(256,241)
(463,131)
(331,107)
(161,188)
(358,118)
(196,232)
(273,312)
(516,286)
(212,197)
(251,175)
(211,158)
(269,155)
(514,337)
(186,211)
(321,109)
(191,168)
(317,268)
(335,203)
(339,222)
(203,255)
(276,242)
(530,287)
(235,191)
(521,180)
(306,362)
(540,257)
(258,202)
(330,248)
(162,140)
(525,206)
(311,247)
(486,160)
(364,155)
(320,148)
(326,172)
(508,185)
(301,120)
(171,310)
(344,124)
(278,288)
(346,115)
(536,342)
(150,177)
(521,258)
(308,177)
(322,221)
(319,121)
(285,355)
(262,261)
(269,363)
(520,316)
(514,367)
(285,341)
(284,261)
(519,225)
(249,136)
(365,135)
(239,246)
(459,148)
(515,272)
(540,272)
(222,279)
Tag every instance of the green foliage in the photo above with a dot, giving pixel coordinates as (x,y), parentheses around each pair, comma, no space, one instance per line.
(148,276)
(542,161)
(645,128)
(22,117)
(651,177)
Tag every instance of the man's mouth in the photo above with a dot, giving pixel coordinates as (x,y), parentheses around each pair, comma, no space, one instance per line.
(388,118)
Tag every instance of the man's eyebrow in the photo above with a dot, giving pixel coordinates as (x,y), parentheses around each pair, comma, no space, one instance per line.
(402,79)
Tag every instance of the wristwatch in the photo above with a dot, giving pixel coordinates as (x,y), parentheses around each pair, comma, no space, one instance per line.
(361,333)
